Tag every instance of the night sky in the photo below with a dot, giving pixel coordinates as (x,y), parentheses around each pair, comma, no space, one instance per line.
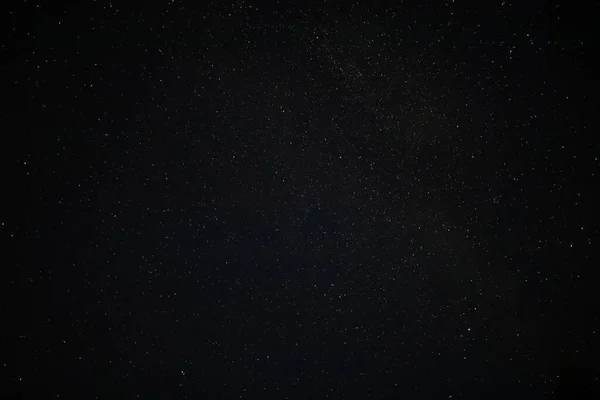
(300,200)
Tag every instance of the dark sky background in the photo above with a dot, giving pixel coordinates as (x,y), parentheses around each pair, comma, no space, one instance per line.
(300,200)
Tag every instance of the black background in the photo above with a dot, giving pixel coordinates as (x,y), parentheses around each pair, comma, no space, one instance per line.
(279,200)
